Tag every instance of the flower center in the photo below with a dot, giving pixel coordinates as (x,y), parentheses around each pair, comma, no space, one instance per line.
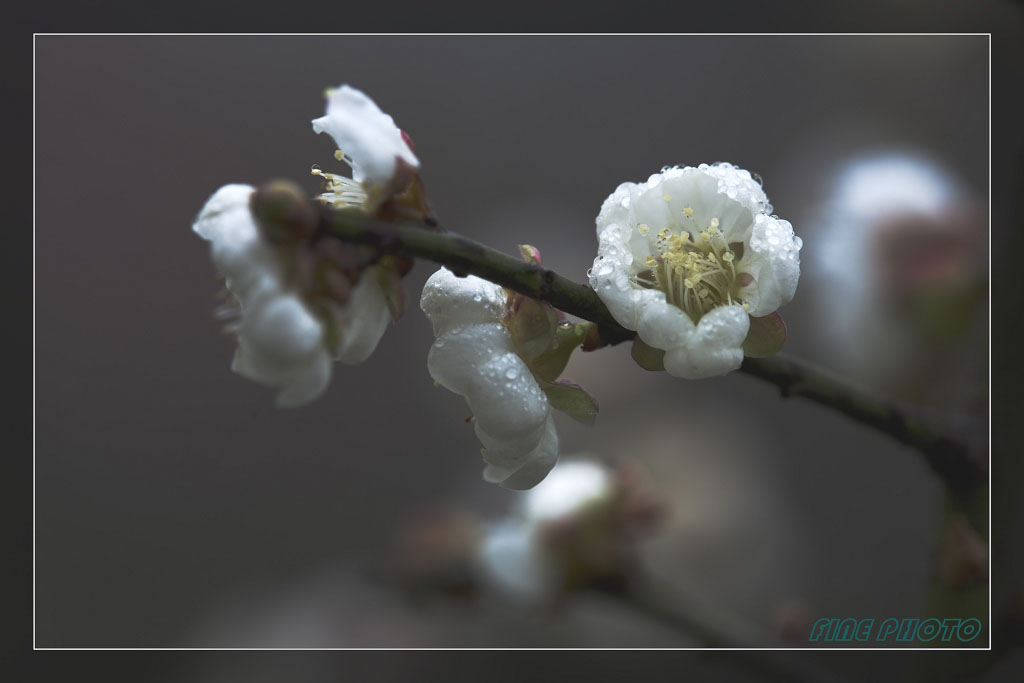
(696,270)
(338,190)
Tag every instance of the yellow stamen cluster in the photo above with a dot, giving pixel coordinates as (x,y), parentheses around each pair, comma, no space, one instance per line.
(697,275)
(339,190)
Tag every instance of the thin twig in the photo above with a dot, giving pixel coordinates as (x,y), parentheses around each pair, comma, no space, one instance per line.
(716,628)
(947,455)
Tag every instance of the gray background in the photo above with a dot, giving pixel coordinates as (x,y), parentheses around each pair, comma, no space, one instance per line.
(176,506)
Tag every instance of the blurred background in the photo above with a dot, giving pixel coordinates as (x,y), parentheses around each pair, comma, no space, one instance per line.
(177,507)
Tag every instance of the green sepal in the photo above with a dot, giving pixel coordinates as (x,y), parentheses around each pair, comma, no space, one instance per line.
(394,293)
(647,357)
(532,325)
(766,337)
(572,400)
(566,339)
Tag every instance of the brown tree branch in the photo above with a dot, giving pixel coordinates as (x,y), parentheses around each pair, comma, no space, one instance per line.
(946,454)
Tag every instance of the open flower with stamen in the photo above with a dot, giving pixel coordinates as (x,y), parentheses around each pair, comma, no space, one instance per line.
(689,258)
(300,298)
(474,356)
(379,154)
(288,334)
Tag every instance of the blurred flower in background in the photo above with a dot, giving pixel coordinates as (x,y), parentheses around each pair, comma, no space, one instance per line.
(901,278)
(571,530)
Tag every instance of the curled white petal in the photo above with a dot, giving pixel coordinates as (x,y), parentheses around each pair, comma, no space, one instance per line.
(366,134)
(774,262)
(450,301)
(280,344)
(363,320)
(473,356)
(741,261)
(714,348)
(535,464)
(246,262)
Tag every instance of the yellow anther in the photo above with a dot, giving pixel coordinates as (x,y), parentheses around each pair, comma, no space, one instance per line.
(437,385)
(746,308)
(339,155)
(684,235)
(711,257)
(688,212)
(690,284)
(705,235)
(714,223)
(679,270)
(728,257)
(651,261)
(664,233)
(642,228)
(666,197)
(703,293)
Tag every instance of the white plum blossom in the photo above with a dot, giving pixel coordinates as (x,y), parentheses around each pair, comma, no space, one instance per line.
(688,257)
(369,142)
(283,341)
(292,324)
(903,245)
(474,357)
(516,556)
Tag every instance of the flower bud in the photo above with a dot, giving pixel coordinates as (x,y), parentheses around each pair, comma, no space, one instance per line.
(284,213)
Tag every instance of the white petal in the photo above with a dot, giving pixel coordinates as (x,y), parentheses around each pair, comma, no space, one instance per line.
(307,386)
(774,262)
(538,463)
(738,184)
(278,339)
(703,194)
(218,220)
(572,486)
(365,319)
(368,135)
(240,255)
(477,362)
(714,348)
(509,452)
(511,561)
(663,325)
(616,208)
(450,301)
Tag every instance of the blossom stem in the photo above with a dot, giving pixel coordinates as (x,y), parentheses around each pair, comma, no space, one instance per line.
(949,456)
